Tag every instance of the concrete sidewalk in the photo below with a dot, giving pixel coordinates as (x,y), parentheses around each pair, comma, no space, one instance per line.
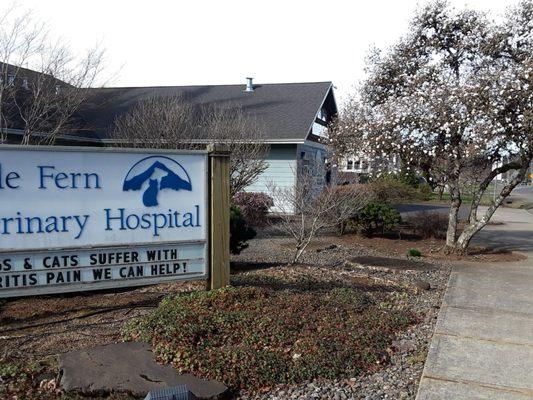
(483,342)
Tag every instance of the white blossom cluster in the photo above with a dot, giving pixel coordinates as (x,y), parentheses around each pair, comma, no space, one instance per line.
(455,92)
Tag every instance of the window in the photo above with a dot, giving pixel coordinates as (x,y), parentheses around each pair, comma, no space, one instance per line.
(318,157)
(25,83)
(349,165)
(10,79)
(322,114)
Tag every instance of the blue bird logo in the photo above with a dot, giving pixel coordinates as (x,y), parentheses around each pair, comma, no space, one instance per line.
(161,173)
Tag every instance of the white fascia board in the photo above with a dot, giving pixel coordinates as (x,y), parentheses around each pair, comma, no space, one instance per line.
(113,141)
(20,132)
(267,141)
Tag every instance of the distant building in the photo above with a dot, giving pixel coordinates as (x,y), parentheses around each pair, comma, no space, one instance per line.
(358,167)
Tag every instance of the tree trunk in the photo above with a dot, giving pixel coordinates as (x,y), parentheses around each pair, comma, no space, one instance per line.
(466,236)
(441,192)
(453,218)
(297,255)
(474,226)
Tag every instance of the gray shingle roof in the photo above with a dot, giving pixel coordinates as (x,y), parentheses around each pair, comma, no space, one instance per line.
(287,110)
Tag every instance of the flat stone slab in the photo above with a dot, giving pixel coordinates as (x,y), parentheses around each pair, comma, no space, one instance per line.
(502,290)
(129,367)
(432,389)
(487,363)
(483,343)
(486,324)
(393,263)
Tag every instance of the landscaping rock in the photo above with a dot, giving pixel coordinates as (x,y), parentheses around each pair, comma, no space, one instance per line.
(422,285)
(128,367)
(404,346)
(399,264)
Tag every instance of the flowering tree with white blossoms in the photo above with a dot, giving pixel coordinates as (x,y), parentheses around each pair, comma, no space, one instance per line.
(453,99)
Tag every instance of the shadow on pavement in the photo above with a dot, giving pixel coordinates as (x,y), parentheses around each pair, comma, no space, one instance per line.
(516,240)
(407,209)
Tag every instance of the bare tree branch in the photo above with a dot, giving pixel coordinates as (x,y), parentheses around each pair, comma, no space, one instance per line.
(303,212)
(171,122)
(43,84)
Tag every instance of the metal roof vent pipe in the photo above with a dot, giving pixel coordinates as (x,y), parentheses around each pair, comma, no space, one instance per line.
(249,85)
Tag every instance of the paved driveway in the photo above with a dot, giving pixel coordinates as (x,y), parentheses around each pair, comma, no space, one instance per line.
(483,342)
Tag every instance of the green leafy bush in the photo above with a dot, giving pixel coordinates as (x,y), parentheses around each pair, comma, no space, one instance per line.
(253,338)
(424,192)
(409,178)
(378,217)
(240,232)
(414,253)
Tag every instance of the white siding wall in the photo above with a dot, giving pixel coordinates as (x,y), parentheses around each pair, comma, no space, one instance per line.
(281,170)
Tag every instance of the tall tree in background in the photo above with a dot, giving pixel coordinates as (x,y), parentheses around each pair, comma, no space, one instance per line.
(170,122)
(451,97)
(42,83)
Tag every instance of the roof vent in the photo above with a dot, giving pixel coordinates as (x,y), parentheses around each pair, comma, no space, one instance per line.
(249,85)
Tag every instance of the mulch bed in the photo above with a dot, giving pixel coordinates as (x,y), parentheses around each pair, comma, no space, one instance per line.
(397,245)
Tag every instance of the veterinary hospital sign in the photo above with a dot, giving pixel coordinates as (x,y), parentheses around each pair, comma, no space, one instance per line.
(85,218)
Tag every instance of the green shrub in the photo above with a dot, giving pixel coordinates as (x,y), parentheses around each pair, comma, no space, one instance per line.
(240,232)
(414,253)
(378,217)
(409,178)
(365,178)
(424,192)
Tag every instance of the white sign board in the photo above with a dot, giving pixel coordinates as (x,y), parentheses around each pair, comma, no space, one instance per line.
(78,219)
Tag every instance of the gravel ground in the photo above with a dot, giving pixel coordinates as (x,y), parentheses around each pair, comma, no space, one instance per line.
(397,380)
(50,324)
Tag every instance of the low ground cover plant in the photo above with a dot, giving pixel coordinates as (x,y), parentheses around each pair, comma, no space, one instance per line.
(23,378)
(414,253)
(250,337)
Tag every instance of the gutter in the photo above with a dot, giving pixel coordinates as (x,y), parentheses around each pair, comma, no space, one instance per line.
(74,138)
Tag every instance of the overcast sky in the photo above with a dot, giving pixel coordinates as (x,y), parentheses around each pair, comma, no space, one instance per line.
(160,42)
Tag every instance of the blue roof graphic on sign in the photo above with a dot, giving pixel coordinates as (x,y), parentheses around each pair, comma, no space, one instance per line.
(160,173)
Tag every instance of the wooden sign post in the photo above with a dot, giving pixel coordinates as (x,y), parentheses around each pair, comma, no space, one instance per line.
(219,217)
